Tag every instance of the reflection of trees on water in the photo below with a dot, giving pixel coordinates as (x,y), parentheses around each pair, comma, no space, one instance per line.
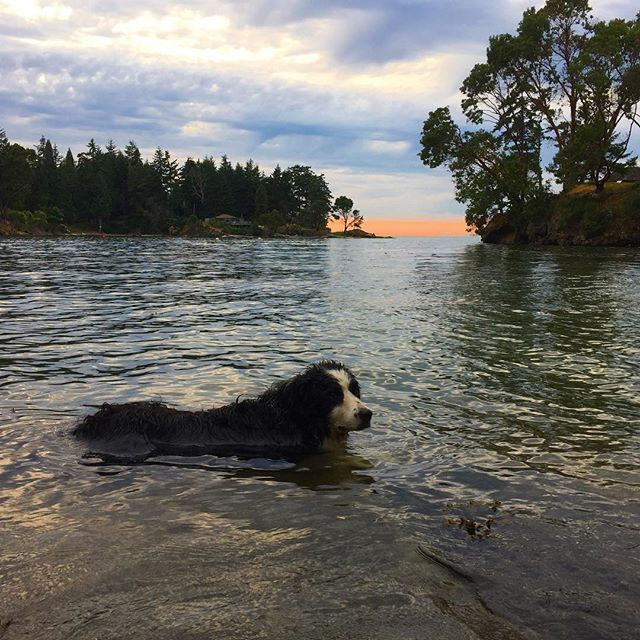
(127,307)
(534,352)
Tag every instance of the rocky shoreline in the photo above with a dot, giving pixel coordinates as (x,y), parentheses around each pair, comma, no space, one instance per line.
(8,230)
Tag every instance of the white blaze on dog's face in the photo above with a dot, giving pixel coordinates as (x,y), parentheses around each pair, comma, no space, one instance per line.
(352,414)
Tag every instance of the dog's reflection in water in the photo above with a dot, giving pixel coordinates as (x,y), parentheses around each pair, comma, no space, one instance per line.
(317,472)
(322,471)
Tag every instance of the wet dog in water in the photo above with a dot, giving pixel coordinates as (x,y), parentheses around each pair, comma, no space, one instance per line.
(302,415)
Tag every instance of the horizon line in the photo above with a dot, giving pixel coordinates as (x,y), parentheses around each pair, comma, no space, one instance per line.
(406,227)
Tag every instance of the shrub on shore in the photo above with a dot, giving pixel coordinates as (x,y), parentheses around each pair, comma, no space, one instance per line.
(196,227)
(39,222)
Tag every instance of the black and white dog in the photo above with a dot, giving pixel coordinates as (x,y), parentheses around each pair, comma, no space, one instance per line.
(302,415)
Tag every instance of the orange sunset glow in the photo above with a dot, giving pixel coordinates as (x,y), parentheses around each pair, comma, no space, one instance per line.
(394,227)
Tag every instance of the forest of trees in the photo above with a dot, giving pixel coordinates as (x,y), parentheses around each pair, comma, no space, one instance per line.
(118,190)
(565,85)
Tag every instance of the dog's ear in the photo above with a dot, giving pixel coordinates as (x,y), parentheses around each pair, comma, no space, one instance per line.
(354,387)
(309,397)
(294,393)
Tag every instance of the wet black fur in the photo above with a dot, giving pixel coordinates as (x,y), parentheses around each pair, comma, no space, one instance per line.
(288,420)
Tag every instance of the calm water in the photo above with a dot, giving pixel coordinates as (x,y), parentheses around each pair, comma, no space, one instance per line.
(506,390)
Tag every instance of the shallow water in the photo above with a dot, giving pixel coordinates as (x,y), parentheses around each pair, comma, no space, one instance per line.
(505,386)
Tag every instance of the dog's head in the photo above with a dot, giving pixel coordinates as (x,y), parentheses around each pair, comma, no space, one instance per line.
(349,413)
(328,394)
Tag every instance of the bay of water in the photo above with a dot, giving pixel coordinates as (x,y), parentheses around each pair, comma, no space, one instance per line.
(500,480)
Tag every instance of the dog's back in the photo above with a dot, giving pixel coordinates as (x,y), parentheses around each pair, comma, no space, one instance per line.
(136,430)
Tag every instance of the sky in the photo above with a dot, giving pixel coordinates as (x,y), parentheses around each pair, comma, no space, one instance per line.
(340,85)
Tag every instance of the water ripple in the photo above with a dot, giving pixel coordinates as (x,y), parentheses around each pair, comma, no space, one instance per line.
(505,382)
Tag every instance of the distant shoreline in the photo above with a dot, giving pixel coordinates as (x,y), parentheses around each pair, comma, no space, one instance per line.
(9,231)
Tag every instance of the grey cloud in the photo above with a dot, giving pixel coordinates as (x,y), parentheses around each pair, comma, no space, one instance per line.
(386,30)
(279,123)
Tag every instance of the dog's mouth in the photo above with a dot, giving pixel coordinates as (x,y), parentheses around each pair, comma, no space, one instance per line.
(343,431)
(361,423)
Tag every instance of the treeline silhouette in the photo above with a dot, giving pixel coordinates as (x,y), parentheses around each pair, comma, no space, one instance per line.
(117,190)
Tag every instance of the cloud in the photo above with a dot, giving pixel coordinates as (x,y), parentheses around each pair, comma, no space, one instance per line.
(388,147)
(396,194)
(341,85)
(32,10)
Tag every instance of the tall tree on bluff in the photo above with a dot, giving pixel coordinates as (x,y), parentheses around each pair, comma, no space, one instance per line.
(608,106)
(493,173)
(562,81)
(583,80)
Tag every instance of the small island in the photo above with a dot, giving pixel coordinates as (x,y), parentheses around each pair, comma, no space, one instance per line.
(545,154)
(117,192)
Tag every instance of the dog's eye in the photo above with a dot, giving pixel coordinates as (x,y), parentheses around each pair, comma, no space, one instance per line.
(354,387)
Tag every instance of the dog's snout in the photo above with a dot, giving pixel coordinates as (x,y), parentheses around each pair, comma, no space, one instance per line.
(364,415)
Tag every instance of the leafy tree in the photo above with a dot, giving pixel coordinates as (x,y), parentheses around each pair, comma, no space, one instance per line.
(563,81)
(44,190)
(262,199)
(271,220)
(166,170)
(310,197)
(343,210)
(279,191)
(582,81)
(490,177)
(67,186)
(16,167)
(194,181)
(609,96)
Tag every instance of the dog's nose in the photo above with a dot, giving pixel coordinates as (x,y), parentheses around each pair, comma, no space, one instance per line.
(364,415)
